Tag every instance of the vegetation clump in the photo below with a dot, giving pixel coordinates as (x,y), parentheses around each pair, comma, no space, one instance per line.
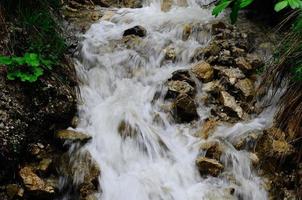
(36,42)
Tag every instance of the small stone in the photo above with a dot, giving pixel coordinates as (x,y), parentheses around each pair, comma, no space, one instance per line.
(170,53)
(255,61)
(218,27)
(208,166)
(75,121)
(95,16)
(136,30)
(233,74)
(203,71)
(238,52)
(72,136)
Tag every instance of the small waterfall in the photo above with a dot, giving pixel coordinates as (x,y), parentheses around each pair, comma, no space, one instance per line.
(118,85)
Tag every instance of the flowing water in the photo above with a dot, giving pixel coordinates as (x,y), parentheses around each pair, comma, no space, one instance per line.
(118,84)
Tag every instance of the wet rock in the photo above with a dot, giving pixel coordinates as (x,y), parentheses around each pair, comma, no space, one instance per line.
(75,122)
(212,50)
(182,75)
(238,52)
(82,166)
(44,165)
(218,27)
(126,130)
(247,141)
(131,41)
(166,5)
(246,86)
(72,136)
(107,15)
(187,31)
(243,64)
(225,58)
(14,191)
(34,184)
(269,146)
(170,53)
(213,149)
(207,166)
(136,30)
(254,159)
(208,128)
(179,87)
(255,61)
(184,108)
(229,101)
(203,71)
(232,74)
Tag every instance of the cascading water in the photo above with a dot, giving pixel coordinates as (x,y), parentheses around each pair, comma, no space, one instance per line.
(118,85)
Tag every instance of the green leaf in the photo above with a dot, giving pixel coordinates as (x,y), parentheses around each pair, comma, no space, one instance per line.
(294,4)
(234,13)
(245,3)
(32,59)
(18,60)
(281,5)
(4,60)
(223,4)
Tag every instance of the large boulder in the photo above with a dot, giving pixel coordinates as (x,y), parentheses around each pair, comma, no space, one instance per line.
(208,166)
(185,108)
(203,71)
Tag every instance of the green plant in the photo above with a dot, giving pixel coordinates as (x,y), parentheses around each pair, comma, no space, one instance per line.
(27,68)
(237,5)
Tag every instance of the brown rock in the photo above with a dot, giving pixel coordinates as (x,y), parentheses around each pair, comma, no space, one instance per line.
(203,71)
(136,30)
(184,108)
(255,61)
(187,30)
(166,5)
(126,130)
(14,190)
(44,165)
(33,183)
(72,136)
(208,166)
(170,53)
(246,86)
(179,87)
(232,74)
(243,64)
(229,101)
(213,149)
(208,128)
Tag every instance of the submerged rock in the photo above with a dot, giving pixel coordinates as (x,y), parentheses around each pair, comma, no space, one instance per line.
(184,108)
(203,71)
(126,130)
(136,30)
(207,166)
(213,149)
(170,53)
(187,31)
